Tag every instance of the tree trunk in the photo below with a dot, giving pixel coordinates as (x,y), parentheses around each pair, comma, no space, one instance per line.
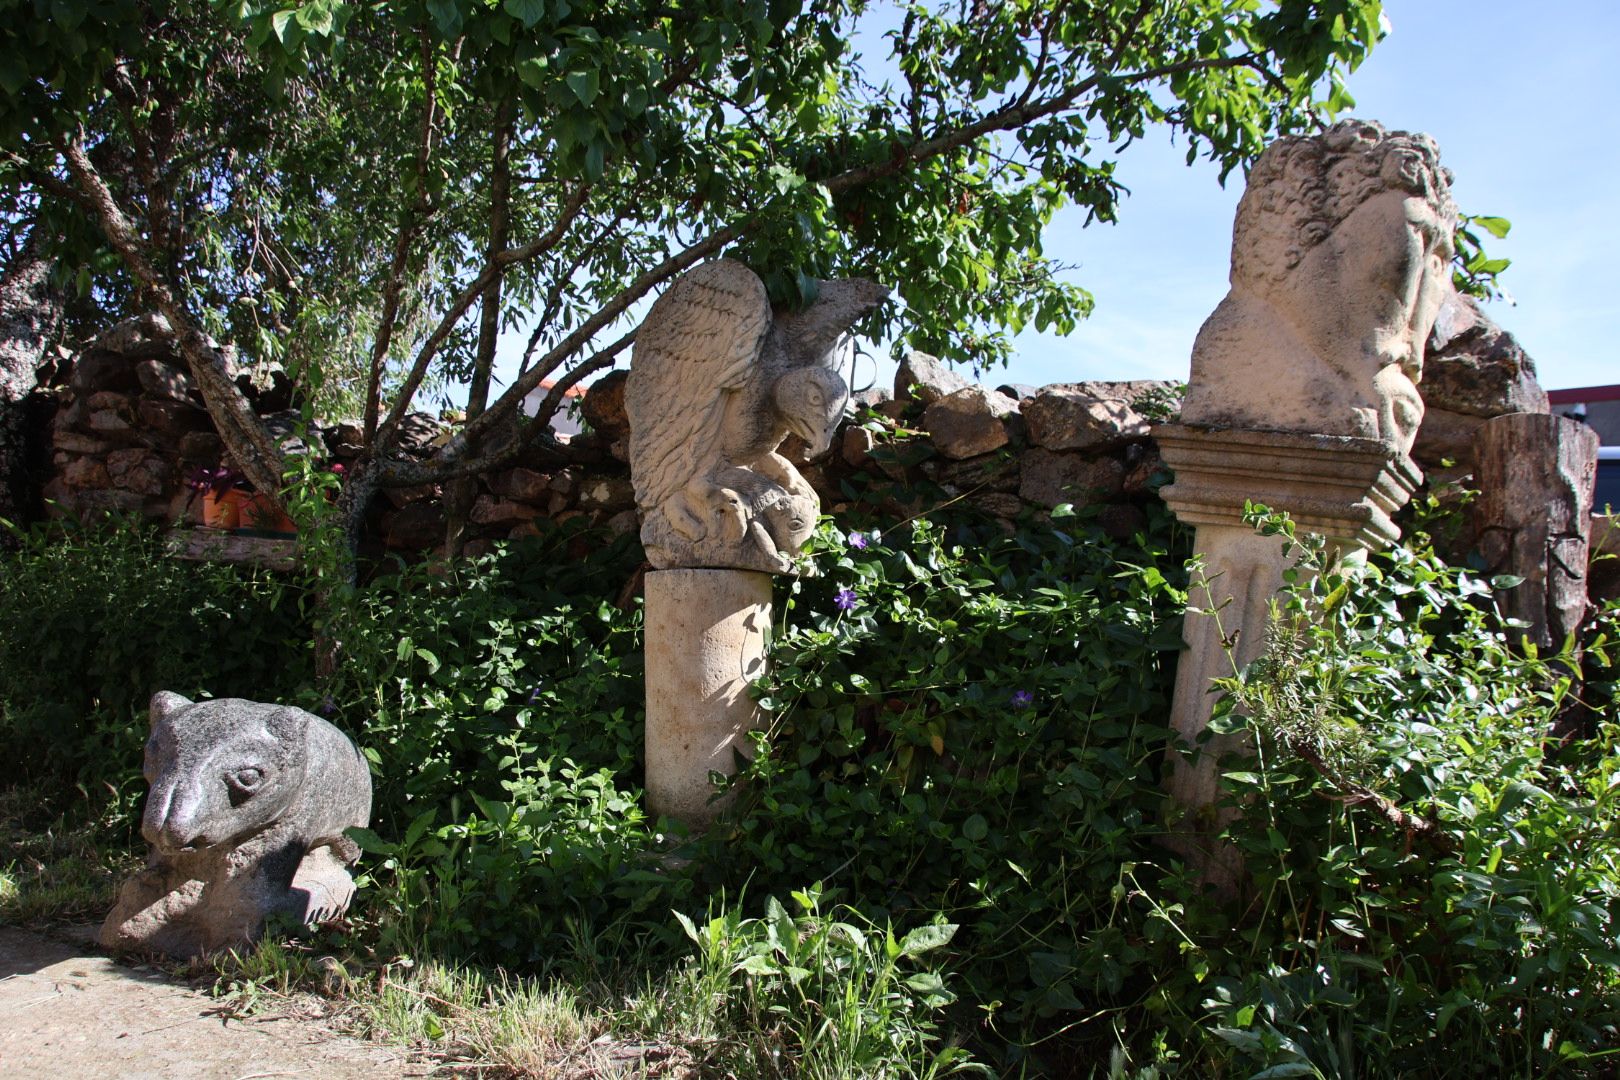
(1534,516)
(30,315)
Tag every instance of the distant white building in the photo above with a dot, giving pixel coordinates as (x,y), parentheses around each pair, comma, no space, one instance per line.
(1598,406)
(567,421)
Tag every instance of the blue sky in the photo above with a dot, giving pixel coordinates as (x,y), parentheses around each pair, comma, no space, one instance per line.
(1522,101)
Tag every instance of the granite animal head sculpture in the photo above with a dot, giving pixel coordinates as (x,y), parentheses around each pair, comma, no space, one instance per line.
(716,382)
(245,814)
(1340,261)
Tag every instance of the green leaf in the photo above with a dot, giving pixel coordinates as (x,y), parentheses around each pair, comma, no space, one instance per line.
(976,828)
(527,12)
(368,841)
(584,84)
(1496,226)
(924,938)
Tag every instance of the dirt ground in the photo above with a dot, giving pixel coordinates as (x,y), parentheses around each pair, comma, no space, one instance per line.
(67,1012)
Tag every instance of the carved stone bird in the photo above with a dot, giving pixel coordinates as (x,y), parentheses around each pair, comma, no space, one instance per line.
(716,382)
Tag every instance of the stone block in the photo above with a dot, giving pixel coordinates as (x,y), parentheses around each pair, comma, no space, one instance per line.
(1446,436)
(159,380)
(73,443)
(103,371)
(926,379)
(137,470)
(991,472)
(172,418)
(85,472)
(607,493)
(1475,368)
(1048,479)
(415,527)
(705,643)
(489,510)
(968,422)
(1079,416)
(603,406)
(201,446)
(524,485)
(857,445)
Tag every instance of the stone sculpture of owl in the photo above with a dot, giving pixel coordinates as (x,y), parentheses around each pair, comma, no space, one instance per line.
(717,381)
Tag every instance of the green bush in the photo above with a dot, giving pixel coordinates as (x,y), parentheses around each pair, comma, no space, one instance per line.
(94,620)
(966,728)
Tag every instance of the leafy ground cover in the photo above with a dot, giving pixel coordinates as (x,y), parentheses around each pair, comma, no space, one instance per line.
(946,854)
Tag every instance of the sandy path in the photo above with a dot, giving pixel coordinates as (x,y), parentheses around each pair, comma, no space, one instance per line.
(65,1012)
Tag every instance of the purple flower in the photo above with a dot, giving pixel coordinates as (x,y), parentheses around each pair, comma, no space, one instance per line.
(844,599)
(534,694)
(1022,699)
(857,541)
(327,706)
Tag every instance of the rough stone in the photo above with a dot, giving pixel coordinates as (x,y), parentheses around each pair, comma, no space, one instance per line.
(138,470)
(160,380)
(245,816)
(607,493)
(625,521)
(85,472)
(138,337)
(268,388)
(1000,504)
(415,527)
(289,430)
(717,381)
(172,418)
(74,443)
(1142,472)
(97,370)
(404,496)
(926,379)
(992,472)
(1340,261)
(421,434)
(705,635)
(525,485)
(488,510)
(1122,521)
(968,422)
(1049,479)
(1079,416)
(857,446)
(603,405)
(870,398)
(110,422)
(1476,368)
(1445,436)
(201,446)
(108,501)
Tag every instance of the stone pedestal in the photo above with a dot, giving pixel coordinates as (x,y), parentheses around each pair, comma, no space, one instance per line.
(1340,487)
(706,636)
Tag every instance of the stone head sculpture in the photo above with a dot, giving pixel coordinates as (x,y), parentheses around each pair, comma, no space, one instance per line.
(717,381)
(245,814)
(1340,260)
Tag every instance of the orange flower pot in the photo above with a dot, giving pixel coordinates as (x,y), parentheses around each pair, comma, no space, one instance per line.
(219,511)
(258,513)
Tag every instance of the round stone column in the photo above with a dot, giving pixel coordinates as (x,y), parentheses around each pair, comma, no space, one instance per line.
(706,636)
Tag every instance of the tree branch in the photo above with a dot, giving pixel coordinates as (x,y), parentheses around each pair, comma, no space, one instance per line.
(254,449)
(493,269)
(415,217)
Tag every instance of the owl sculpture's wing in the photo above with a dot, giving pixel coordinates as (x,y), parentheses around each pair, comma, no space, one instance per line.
(700,340)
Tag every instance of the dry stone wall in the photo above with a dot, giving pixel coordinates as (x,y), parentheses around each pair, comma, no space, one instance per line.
(123,429)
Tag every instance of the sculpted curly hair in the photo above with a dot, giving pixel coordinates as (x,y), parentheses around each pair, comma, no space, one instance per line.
(1304,186)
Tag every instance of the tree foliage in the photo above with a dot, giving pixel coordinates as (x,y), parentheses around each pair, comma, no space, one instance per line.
(373,192)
